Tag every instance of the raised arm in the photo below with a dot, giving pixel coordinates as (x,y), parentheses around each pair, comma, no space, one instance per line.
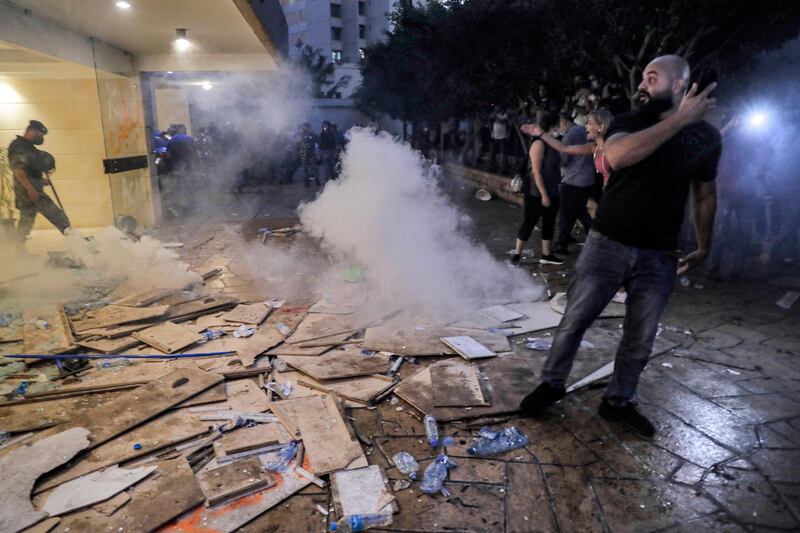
(626,149)
(574,149)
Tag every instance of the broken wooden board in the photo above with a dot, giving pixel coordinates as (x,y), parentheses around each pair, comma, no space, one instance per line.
(253,314)
(113,315)
(56,338)
(340,363)
(143,403)
(172,491)
(536,316)
(320,346)
(229,517)
(328,440)
(112,505)
(423,341)
(501,313)
(258,436)
(93,488)
(113,332)
(168,337)
(362,389)
(321,326)
(205,322)
(145,298)
(456,384)
(44,527)
(275,329)
(110,346)
(612,310)
(201,306)
(215,394)
(169,429)
(361,491)
(22,467)
(468,348)
(235,479)
(44,414)
(246,396)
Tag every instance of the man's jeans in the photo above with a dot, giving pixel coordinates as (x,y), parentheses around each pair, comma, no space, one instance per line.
(603,267)
(573,207)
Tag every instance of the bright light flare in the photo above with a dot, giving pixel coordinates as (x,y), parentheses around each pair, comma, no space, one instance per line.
(207,85)
(181,44)
(757,119)
(123,5)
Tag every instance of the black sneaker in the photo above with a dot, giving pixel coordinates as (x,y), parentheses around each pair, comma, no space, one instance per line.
(541,398)
(551,259)
(515,260)
(628,416)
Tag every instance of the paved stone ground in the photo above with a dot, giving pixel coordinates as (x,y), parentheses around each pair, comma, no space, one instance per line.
(726,403)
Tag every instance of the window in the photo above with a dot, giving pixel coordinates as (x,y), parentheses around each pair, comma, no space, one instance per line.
(362,8)
(336,34)
(336,56)
(336,10)
(362,31)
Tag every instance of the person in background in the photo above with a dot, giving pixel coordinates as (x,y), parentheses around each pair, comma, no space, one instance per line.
(577,183)
(308,155)
(540,196)
(328,149)
(31,168)
(182,163)
(499,141)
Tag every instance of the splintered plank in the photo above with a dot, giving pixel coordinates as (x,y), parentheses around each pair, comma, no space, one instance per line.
(54,339)
(234,479)
(168,337)
(344,363)
(23,465)
(242,440)
(360,389)
(143,403)
(146,297)
(318,326)
(456,384)
(423,341)
(110,345)
(248,313)
(93,488)
(113,315)
(201,306)
(468,348)
(246,396)
(277,327)
(314,348)
(327,438)
(164,496)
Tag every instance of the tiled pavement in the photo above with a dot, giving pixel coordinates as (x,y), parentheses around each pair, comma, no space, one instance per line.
(726,456)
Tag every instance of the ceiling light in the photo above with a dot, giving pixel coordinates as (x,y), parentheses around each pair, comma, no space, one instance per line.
(123,5)
(207,85)
(181,43)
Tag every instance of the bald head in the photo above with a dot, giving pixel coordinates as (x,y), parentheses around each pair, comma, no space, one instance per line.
(676,66)
(664,82)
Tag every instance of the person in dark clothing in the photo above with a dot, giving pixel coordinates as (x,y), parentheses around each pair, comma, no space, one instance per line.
(175,186)
(540,197)
(656,154)
(31,168)
(577,185)
(327,149)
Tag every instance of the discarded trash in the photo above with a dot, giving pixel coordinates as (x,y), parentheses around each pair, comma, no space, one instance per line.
(788,300)
(280,365)
(508,439)
(675,329)
(450,441)
(210,335)
(282,328)
(137,446)
(685,281)
(21,389)
(283,389)
(431,431)
(285,456)
(106,364)
(435,474)
(734,372)
(587,344)
(275,304)
(243,331)
(41,324)
(401,484)
(367,353)
(361,522)
(406,464)
(666,365)
(264,231)
(541,345)
(483,195)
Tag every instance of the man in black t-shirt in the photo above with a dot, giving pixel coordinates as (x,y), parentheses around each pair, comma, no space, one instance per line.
(657,154)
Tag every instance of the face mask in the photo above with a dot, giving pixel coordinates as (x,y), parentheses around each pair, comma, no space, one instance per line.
(38,141)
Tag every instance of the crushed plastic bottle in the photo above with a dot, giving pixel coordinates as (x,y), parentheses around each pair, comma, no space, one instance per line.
(210,335)
(284,457)
(243,331)
(431,431)
(435,474)
(283,329)
(406,464)
(361,522)
(110,364)
(541,345)
(41,324)
(503,441)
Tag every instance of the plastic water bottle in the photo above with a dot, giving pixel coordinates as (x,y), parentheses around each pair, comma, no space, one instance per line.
(406,464)
(210,335)
(285,456)
(110,364)
(435,474)
(503,441)
(361,522)
(431,431)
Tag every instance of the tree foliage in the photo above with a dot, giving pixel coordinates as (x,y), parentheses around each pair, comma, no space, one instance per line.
(320,72)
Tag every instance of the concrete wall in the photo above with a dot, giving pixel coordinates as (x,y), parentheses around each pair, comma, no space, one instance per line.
(499,186)
(71,111)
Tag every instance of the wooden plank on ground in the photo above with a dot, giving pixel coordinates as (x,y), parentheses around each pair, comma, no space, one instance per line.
(321,326)
(234,479)
(22,466)
(456,384)
(201,306)
(327,438)
(112,332)
(168,337)
(54,339)
(275,329)
(323,346)
(340,363)
(110,346)
(93,488)
(258,436)
(246,396)
(361,491)
(248,313)
(467,347)
(145,297)
(143,403)
(360,389)
(48,413)
(501,313)
(113,315)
